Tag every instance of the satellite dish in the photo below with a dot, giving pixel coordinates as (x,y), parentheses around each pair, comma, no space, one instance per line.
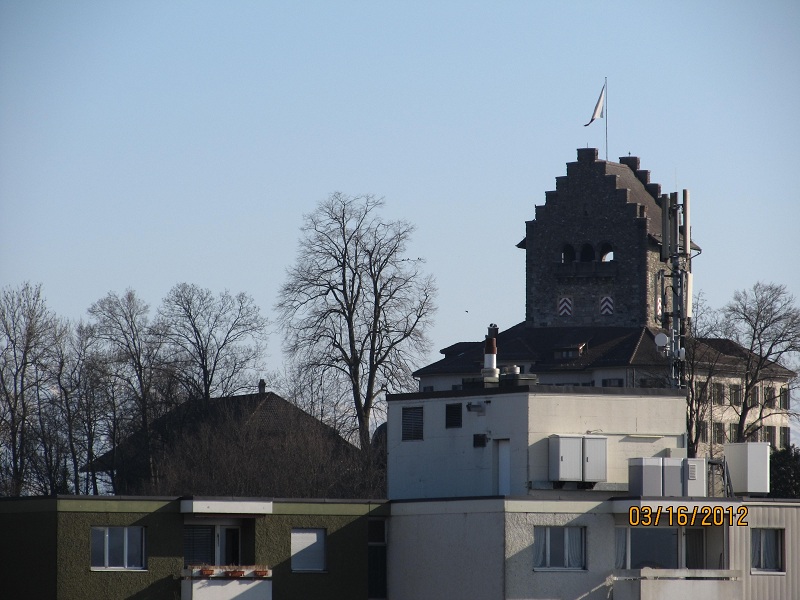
(662,339)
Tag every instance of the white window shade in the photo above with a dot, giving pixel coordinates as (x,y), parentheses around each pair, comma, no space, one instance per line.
(308,549)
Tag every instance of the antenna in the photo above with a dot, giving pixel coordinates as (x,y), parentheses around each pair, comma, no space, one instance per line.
(676,251)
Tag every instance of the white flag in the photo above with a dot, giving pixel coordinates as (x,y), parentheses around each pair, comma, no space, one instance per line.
(598,109)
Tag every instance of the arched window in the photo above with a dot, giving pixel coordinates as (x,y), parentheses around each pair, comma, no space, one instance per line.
(567,254)
(606,253)
(587,253)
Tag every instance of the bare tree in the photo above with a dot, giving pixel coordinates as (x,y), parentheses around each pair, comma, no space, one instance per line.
(136,353)
(218,341)
(765,322)
(25,329)
(353,306)
(701,365)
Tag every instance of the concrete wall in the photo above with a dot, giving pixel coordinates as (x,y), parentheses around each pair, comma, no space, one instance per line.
(346,575)
(446,550)
(522,581)
(445,463)
(634,424)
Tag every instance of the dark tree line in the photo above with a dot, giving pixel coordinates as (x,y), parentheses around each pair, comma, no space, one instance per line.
(71,392)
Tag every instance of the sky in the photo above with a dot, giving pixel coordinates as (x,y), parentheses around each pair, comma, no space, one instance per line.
(144,144)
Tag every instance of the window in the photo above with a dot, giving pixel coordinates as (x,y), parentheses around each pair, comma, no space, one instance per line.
(612,382)
(211,544)
(769,435)
(736,395)
(587,253)
(732,434)
(784,399)
(785,437)
(452,418)
(753,397)
(559,547)
(718,393)
(659,548)
(702,427)
(719,433)
(606,253)
(376,559)
(769,397)
(118,548)
(567,254)
(700,392)
(412,423)
(766,549)
(427,388)
(308,550)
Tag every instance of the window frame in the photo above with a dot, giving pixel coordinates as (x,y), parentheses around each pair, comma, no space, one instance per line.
(126,566)
(546,530)
(453,420)
(322,538)
(781,550)
(411,431)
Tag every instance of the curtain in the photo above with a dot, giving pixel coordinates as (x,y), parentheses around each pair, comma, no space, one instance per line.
(574,547)
(621,547)
(539,539)
(755,548)
(771,550)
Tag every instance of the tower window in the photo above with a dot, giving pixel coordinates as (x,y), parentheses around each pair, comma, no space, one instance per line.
(567,254)
(587,253)
(606,253)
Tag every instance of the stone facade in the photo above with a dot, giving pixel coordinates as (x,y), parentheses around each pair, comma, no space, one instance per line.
(592,250)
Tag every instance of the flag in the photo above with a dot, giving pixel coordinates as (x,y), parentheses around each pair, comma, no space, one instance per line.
(598,108)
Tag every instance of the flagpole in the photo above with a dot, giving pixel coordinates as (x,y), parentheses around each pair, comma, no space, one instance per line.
(606,119)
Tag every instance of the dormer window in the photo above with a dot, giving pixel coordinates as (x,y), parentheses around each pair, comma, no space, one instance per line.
(569,352)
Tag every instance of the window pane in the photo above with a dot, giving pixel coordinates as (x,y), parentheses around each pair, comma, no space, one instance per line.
(453,416)
(135,547)
(575,547)
(655,547)
(116,547)
(755,548)
(539,546)
(557,547)
(771,557)
(621,547)
(376,569)
(376,531)
(198,545)
(98,547)
(695,556)
(308,549)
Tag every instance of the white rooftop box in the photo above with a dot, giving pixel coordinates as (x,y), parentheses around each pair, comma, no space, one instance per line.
(748,464)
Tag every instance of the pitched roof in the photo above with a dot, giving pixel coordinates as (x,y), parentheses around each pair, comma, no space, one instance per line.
(542,347)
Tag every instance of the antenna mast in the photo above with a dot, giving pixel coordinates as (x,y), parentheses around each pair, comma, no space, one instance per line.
(676,252)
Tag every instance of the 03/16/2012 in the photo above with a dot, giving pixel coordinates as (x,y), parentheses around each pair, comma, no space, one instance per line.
(705,516)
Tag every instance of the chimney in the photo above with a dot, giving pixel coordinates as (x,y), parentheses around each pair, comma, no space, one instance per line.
(490,353)
(262,387)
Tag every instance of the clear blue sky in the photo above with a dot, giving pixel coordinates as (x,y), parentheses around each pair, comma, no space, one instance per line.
(144,144)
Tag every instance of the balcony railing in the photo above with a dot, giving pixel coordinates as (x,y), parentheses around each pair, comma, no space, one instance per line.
(245,582)
(653,584)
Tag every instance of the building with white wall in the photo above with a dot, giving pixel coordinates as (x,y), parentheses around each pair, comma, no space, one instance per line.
(528,492)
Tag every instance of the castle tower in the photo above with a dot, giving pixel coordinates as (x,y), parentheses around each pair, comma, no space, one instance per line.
(593,248)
